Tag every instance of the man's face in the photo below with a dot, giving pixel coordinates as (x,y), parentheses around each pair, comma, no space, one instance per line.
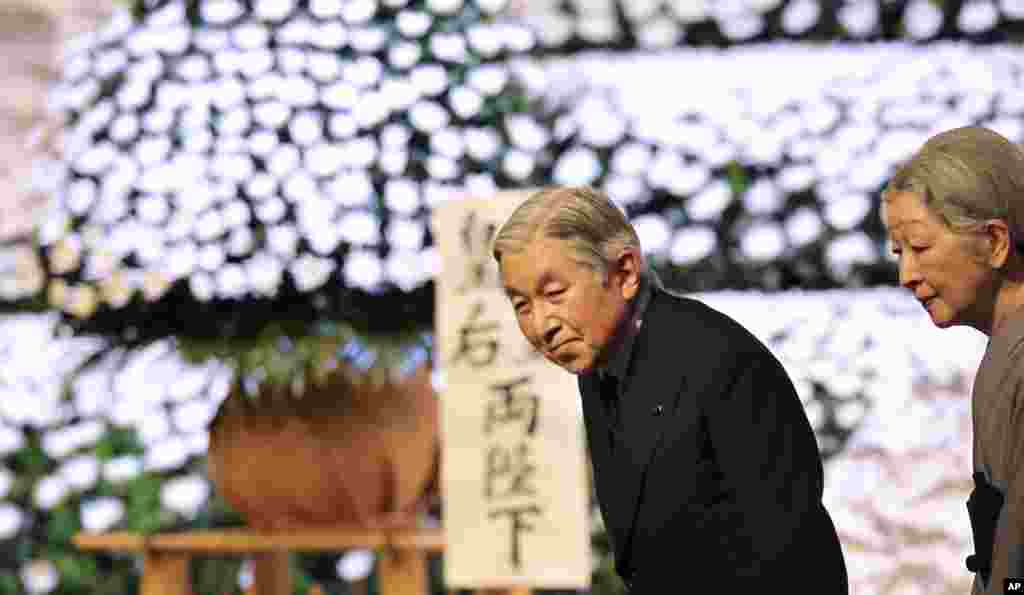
(564,308)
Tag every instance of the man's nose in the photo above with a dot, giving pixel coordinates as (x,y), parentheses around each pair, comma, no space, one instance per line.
(549,327)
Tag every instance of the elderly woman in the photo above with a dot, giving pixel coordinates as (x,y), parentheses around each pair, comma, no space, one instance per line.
(954,216)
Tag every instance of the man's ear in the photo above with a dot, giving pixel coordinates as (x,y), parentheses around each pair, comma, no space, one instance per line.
(997,233)
(627,271)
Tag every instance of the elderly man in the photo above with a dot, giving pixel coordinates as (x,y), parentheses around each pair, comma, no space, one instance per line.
(706,467)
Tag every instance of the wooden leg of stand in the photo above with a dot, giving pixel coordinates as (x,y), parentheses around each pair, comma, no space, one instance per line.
(165,573)
(403,572)
(271,574)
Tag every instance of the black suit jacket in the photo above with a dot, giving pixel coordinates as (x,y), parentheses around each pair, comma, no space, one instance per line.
(717,479)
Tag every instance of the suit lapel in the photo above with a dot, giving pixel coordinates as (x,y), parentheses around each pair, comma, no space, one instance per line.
(656,382)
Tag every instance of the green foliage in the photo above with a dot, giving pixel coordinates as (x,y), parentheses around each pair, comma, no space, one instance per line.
(63,525)
(118,442)
(9,584)
(142,505)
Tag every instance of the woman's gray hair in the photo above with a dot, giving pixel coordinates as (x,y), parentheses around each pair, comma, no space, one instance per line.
(967,176)
(594,228)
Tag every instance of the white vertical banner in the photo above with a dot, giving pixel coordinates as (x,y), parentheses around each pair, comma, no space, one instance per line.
(513,477)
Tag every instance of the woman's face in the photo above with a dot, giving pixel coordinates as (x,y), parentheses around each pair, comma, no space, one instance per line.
(952,281)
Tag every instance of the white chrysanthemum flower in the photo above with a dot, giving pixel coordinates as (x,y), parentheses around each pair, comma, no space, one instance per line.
(12,519)
(482,144)
(977,16)
(39,577)
(484,39)
(922,19)
(577,167)
(763,197)
(193,415)
(101,514)
(311,272)
(283,240)
(402,196)
(363,270)
(631,159)
(81,195)
(167,455)
(356,565)
(654,233)
(428,117)
(742,27)
(625,190)
(848,250)
(413,23)
(800,16)
(598,29)
(202,286)
(265,274)
(50,491)
(211,257)
(232,282)
(692,244)
(449,47)
(803,226)
(440,167)
(480,185)
(81,472)
(848,211)
(121,469)
(518,164)
(6,482)
(360,227)
(405,269)
(61,442)
(763,241)
(660,32)
(430,80)
(406,234)
(1012,9)
(323,237)
(711,202)
(488,79)
(448,143)
(185,495)
(526,134)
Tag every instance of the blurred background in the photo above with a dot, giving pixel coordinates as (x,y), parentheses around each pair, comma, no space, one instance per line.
(208,202)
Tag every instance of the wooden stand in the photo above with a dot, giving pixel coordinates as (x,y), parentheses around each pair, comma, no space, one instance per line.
(401,567)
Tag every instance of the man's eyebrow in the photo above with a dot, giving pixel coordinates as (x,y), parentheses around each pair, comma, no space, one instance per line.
(544,279)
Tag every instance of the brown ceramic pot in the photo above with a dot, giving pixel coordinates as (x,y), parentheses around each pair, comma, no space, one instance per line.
(347,453)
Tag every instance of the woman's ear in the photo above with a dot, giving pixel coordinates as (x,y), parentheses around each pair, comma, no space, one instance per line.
(997,233)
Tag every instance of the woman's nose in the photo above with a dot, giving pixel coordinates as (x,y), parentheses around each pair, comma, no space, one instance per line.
(910,274)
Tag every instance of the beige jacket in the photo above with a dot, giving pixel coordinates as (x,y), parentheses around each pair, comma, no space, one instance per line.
(998,416)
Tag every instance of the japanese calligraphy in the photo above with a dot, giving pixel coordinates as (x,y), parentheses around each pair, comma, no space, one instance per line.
(478,340)
(519,526)
(509,472)
(476,241)
(512,403)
